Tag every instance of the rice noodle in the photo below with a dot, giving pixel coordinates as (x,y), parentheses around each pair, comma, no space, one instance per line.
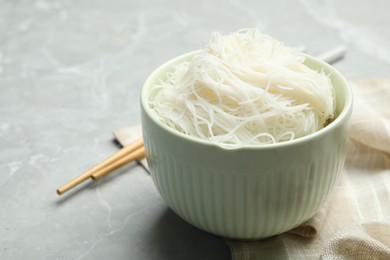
(244,89)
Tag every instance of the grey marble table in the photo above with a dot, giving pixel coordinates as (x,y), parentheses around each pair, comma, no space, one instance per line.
(71,73)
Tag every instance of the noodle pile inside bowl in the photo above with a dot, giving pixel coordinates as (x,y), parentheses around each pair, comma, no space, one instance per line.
(244,89)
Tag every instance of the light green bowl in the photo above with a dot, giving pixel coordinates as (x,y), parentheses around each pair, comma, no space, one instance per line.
(251,192)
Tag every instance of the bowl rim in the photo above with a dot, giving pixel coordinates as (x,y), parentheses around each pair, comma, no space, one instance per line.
(343,115)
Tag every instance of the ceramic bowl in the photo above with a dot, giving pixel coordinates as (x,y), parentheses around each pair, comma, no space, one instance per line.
(251,192)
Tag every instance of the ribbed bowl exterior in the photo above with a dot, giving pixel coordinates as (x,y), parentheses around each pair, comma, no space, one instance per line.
(240,201)
(247,193)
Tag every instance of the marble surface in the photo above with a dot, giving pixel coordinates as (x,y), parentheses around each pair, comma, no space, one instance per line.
(71,73)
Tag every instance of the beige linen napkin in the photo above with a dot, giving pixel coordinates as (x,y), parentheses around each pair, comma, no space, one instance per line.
(354,224)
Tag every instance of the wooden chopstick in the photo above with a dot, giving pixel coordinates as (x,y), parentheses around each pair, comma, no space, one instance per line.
(125,152)
(137,154)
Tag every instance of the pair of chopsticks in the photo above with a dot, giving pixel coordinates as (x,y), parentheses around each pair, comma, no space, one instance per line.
(134,151)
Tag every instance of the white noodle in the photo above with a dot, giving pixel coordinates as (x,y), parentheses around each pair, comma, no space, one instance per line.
(244,89)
